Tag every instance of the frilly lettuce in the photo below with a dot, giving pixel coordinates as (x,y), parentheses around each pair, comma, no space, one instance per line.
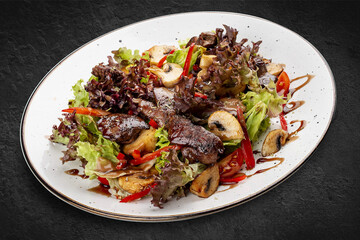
(179,56)
(259,107)
(162,136)
(81,95)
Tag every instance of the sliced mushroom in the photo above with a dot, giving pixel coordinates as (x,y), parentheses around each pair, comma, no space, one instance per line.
(206,61)
(274,68)
(205,184)
(157,52)
(273,142)
(225,126)
(138,181)
(169,73)
(146,142)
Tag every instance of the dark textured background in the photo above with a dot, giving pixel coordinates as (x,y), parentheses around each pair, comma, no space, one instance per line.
(320,201)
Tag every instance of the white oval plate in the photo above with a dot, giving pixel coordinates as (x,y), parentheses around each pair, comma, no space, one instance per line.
(280,44)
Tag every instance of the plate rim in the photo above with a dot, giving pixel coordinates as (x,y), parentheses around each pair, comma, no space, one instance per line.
(176,217)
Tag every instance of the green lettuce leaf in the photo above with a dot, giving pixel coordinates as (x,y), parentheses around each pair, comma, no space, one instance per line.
(231,146)
(81,96)
(272,100)
(125,56)
(254,119)
(179,56)
(56,137)
(162,136)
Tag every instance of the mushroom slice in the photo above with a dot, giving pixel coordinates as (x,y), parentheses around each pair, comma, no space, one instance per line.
(225,126)
(205,184)
(138,181)
(273,142)
(169,74)
(157,52)
(146,142)
(206,61)
(274,68)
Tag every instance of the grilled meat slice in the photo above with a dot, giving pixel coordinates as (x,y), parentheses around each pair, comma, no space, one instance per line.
(200,144)
(121,128)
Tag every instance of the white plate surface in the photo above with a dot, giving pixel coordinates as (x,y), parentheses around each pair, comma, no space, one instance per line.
(279,43)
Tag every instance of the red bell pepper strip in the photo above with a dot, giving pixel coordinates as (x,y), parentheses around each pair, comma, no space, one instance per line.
(151,156)
(235,179)
(283,83)
(122,161)
(283,121)
(200,95)
(138,195)
(103,181)
(87,111)
(188,59)
(136,154)
(282,87)
(162,60)
(245,143)
(153,123)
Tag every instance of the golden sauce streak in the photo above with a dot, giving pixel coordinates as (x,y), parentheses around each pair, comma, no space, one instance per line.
(101,189)
(308,76)
(75,172)
(262,160)
(294,105)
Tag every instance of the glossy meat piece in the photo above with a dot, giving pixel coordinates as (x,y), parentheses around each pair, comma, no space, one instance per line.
(121,128)
(150,111)
(200,144)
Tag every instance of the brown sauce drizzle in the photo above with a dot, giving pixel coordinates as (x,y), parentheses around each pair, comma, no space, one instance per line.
(308,76)
(294,105)
(262,160)
(75,172)
(301,127)
(101,189)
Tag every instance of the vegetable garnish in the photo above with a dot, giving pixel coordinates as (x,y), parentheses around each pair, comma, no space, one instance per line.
(87,111)
(151,156)
(235,179)
(283,122)
(283,84)
(153,123)
(200,95)
(138,195)
(161,62)
(246,144)
(103,181)
(188,59)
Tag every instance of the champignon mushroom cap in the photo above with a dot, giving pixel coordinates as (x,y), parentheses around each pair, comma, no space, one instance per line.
(273,142)
(169,73)
(205,184)
(225,126)
(157,52)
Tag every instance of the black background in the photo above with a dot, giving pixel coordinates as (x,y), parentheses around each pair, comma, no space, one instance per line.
(320,201)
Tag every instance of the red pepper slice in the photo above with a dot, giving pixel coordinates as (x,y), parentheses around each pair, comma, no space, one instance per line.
(138,195)
(151,156)
(188,59)
(153,123)
(283,121)
(136,154)
(162,60)
(103,181)
(130,112)
(200,95)
(283,83)
(87,111)
(245,143)
(122,161)
(237,178)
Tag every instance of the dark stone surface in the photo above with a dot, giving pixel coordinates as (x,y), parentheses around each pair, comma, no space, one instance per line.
(320,201)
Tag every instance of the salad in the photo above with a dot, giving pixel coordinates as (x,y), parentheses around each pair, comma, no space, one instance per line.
(175,119)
